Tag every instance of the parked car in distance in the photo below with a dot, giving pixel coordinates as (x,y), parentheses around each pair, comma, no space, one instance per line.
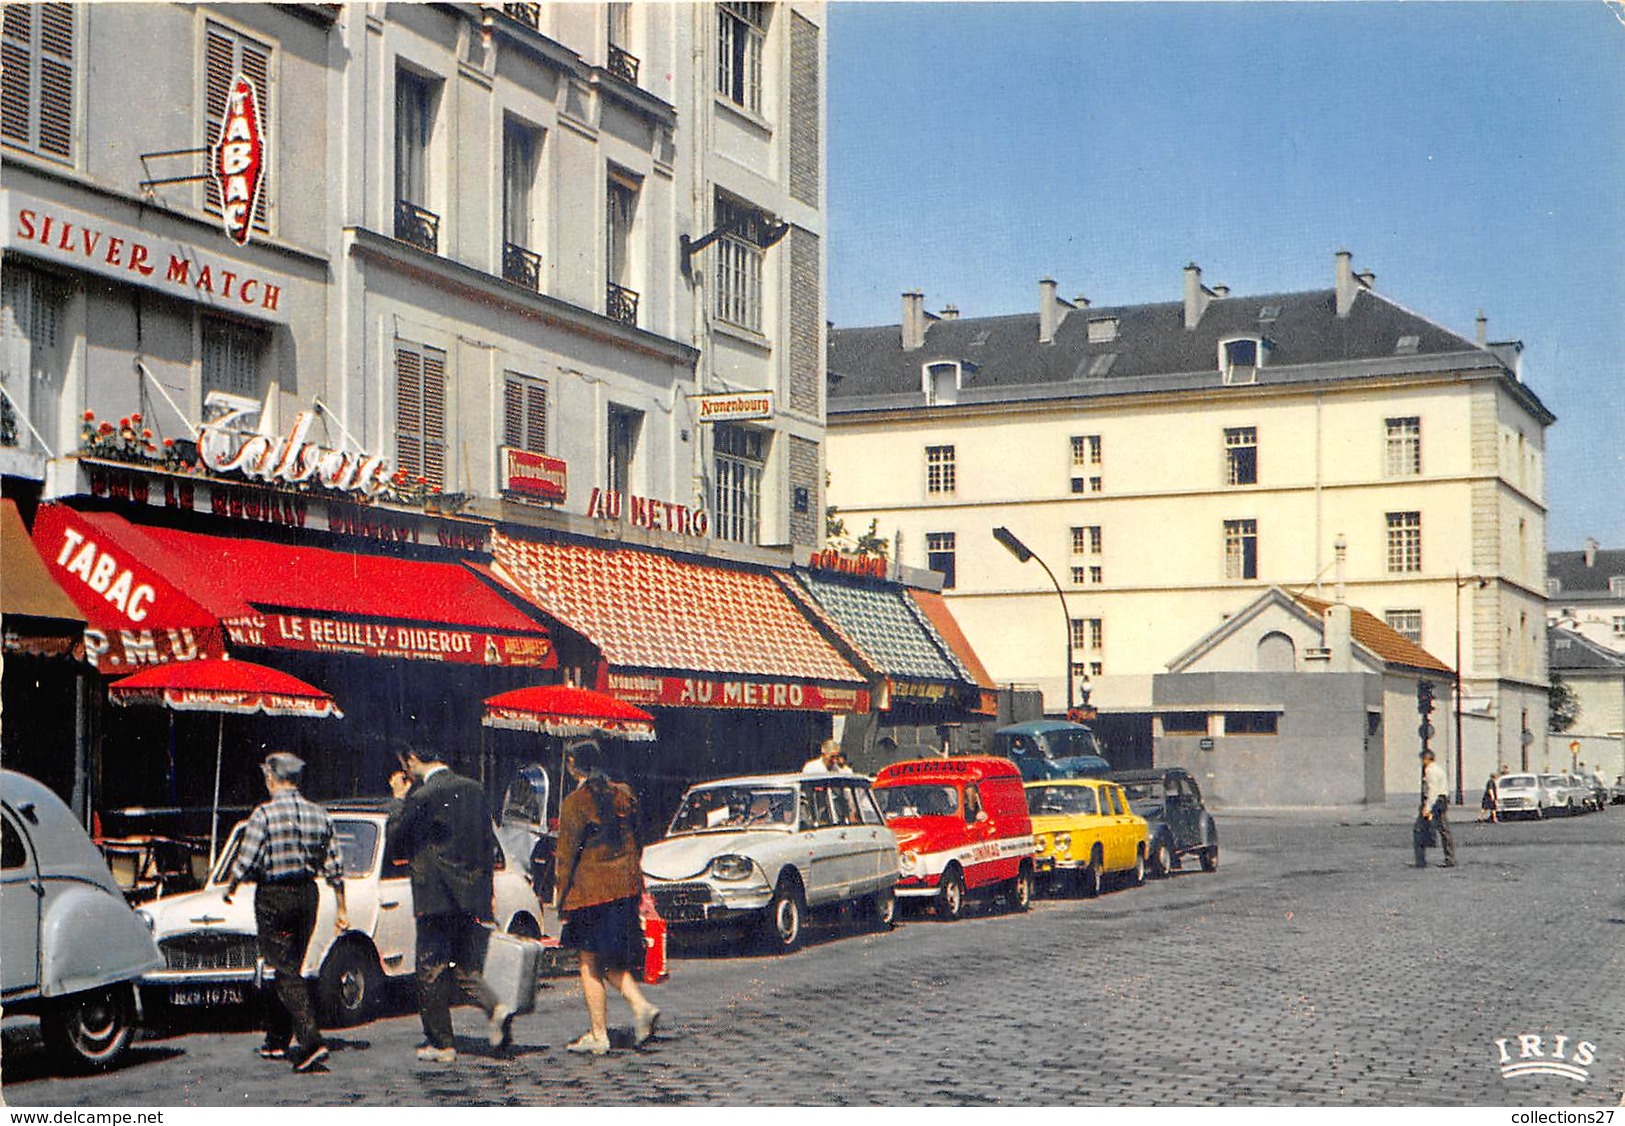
(1568,794)
(963,829)
(767,849)
(1050,748)
(70,947)
(1085,833)
(211,952)
(1523,795)
(1179,824)
(1596,789)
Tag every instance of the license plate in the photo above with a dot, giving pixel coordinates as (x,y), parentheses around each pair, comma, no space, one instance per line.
(208,995)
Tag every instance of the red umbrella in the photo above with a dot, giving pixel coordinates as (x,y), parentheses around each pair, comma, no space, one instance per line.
(567,711)
(223,685)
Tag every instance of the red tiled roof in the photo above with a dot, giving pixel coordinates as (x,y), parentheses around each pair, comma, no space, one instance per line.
(646,610)
(1379,637)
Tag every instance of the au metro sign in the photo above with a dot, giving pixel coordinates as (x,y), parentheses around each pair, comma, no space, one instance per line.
(238,160)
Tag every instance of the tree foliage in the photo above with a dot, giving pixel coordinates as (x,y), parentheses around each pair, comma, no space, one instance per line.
(1562,706)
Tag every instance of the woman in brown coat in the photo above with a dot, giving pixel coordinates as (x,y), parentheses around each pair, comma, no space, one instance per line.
(600,887)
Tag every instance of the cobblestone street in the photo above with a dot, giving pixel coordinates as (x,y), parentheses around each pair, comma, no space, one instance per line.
(1315,967)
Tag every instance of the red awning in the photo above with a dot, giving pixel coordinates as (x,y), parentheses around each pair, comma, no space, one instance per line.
(169,594)
(935,608)
(681,634)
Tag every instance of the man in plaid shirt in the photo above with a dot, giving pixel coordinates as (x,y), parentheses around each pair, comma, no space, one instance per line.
(288,842)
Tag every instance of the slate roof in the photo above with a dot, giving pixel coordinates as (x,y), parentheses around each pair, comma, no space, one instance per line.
(868,368)
(1574,577)
(1568,651)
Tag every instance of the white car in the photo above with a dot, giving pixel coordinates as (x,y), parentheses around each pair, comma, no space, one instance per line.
(766,849)
(1523,795)
(211,953)
(1569,794)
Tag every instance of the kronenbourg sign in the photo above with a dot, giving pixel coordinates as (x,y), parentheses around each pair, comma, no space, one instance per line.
(238,160)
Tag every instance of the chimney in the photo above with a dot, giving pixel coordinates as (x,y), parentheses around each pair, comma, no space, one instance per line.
(1366,278)
(1340,554)
(1345,283)
(1591,552)
(1483,334)
(1196,295)
(1080,301)
(913,321)
(949,313)
(1221,291)
(1052,310)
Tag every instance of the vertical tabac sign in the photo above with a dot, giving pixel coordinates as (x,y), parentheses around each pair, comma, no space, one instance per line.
(238,161)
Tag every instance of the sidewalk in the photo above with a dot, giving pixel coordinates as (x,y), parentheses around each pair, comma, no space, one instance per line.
(1395,811)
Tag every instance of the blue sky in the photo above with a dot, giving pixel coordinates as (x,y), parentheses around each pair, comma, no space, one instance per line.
(1471,154)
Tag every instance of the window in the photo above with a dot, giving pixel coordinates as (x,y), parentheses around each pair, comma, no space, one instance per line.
(621,62)
(1096,668)
(1102,330)
(524,413)
(1241,549)
(1241,455)
(740,454)
(1250,723)
(1184,723)
(738,265)
(1240,359)
(1080,575)
(1086,450)
(941,384)
(233,354)
(1088,633)
(1078,634)
(1086,540)
(1406,623)
(939,556)
(939,470)
(741,32)
(37,79)
(414,125)
(1404,447)
(420,413)
(1619,625)
(1404,542)
(226,54)
(1616,585)
(521,147)
(621,200)
(624,426)
(1097,575)
(33,355)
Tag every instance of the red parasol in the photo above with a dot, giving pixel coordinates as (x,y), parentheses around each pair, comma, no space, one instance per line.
(569,712)
(223,685)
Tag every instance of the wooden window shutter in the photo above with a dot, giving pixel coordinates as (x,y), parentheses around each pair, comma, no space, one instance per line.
(524,414)
(513,413)
(226,55)
(16,65)
(434,416)
(536,418)
(36,78)
(409,411)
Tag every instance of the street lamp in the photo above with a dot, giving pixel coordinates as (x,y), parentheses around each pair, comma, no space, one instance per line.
(1022,552)
(1462,581)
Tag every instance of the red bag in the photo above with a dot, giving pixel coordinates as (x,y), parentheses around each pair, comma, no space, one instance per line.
(654,942)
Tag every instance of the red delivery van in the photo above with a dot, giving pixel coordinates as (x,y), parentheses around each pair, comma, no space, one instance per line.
(962,828)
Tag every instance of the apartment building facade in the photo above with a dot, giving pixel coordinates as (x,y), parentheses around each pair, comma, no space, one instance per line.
(1168,462)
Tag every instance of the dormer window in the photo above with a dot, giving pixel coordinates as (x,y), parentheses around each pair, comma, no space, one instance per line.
(1102,330)
(1407,345)
(1240,357)
(940,382)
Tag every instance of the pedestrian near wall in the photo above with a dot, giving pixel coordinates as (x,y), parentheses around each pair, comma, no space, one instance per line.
(1434,807)
(440,823)
(600,882)
(1489,805)
(287,843)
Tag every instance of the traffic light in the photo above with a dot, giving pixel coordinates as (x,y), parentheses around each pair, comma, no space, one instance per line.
(1424,697)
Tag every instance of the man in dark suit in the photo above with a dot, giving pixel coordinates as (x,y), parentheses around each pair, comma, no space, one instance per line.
(441,824)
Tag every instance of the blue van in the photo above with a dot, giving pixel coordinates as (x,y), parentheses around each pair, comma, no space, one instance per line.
(1051,748)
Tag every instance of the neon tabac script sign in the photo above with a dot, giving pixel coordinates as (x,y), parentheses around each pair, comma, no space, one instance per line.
(225,447)
(238,160)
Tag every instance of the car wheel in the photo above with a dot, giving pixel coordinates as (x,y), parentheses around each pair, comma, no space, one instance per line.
(1162,860)
(91,1029)
(523,926)
(1210,858)
(951,895)
(1137,876)
(1089,876)
(1021,890)
(350,985)
(883,909)
(783,919)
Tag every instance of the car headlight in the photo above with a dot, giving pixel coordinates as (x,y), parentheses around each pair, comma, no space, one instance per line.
(909,862)
(1063,844)
(146,917)
(732,867)
(1041,840)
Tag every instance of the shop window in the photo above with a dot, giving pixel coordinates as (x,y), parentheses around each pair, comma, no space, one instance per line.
(37,79)
(1241,455)
(524,413)
(940,553)
(740,459)
(1404,542)
(1403,447)
(226,54)
(420,413)
(1241,549)
(33,357)
(741,34)
(233,357)
(621,445)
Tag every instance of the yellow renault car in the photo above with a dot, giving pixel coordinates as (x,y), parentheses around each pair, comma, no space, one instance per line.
(1085,833)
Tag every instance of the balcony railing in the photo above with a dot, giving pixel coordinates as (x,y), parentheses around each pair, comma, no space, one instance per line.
(621,304)
(623,65)
(521,266)
(419,227)
(528,14)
